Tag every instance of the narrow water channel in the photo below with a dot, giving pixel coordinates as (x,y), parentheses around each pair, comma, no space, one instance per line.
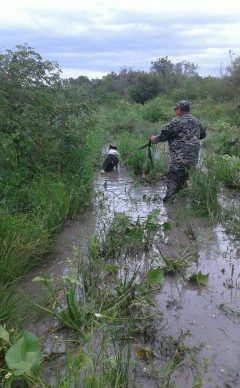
(210,313)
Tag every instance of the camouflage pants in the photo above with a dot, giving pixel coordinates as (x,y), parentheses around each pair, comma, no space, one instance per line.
(177,177)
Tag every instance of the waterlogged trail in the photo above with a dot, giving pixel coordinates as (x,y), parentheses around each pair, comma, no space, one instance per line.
(211,313)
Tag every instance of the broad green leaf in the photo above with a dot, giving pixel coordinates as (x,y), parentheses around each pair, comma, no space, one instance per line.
(199,278)
(24,356)
(155,276)
(4,334)
(167,226)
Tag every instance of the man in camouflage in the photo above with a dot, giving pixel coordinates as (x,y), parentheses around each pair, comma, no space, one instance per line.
(183,135)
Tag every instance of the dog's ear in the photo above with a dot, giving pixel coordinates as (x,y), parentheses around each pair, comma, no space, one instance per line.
(112,147)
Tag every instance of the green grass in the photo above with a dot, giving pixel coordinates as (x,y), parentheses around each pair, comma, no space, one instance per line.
(8,305)
(113,307)
(225,168)
(203,190)
(24,242)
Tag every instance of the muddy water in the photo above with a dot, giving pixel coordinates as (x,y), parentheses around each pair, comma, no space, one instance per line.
(186,307)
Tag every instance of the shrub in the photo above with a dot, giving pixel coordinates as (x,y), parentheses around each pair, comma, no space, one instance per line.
(157,109)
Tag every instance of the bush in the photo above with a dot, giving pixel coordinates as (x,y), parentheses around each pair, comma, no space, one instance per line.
(144,86)
(225,142)
(157,109)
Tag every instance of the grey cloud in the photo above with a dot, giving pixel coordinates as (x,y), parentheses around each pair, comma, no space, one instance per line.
(139,40)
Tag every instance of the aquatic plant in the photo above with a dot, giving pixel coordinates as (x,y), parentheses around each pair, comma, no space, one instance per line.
(20,357)
(203,190)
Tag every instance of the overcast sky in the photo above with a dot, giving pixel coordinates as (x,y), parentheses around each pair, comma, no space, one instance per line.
(93,38)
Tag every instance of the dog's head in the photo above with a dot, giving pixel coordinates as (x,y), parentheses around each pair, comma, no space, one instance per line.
(112,147)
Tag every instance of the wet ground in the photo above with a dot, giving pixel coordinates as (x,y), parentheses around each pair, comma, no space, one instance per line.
(207,312)
(210,313)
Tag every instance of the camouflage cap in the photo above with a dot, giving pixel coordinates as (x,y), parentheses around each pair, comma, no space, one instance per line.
(183,105)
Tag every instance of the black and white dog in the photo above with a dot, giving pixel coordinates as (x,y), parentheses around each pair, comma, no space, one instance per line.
(111,160)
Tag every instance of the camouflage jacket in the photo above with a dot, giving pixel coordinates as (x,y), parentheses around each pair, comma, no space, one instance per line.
(183,134)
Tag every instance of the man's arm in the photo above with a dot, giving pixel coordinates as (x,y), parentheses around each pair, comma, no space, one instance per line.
(168,132)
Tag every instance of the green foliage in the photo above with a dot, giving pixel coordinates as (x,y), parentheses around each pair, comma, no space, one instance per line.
(23,67)
(4,335)
(122,116)
(138,161)
(198,89)
(203,190)
(46,154)
(226,168)
(49,200)
(225,142)
(165,68)
(155,276)
(233,70)
(8,305)
(199,278)
(125,236)
(210,112)
(20,357)
(231,221)
(144,86)
(23,243)
(157,109)
(24,356)
(174,265)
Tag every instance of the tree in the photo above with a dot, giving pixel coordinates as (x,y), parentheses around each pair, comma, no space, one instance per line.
(233,70)
(144,86)
(186,69)
(162,66)
(23,68)
(35,110)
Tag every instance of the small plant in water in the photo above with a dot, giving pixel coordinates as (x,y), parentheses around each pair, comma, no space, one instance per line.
(203,190)
(126,237)
(199,278)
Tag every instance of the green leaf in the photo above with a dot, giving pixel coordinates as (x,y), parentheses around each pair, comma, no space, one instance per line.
(24,356)
(155,276)
(41,279)
(70,279)
(199,278)
(111,268)
(154,214)
(167,226)
(4,334)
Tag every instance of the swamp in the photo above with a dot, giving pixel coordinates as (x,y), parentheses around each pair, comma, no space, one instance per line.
(101,283)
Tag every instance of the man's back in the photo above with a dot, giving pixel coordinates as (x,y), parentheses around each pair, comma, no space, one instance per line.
(185,132)
(183,135)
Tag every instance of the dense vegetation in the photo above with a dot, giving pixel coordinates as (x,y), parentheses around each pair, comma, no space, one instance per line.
(52,133)
(46,159)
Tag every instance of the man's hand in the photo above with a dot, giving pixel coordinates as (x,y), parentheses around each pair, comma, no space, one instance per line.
(152,139)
